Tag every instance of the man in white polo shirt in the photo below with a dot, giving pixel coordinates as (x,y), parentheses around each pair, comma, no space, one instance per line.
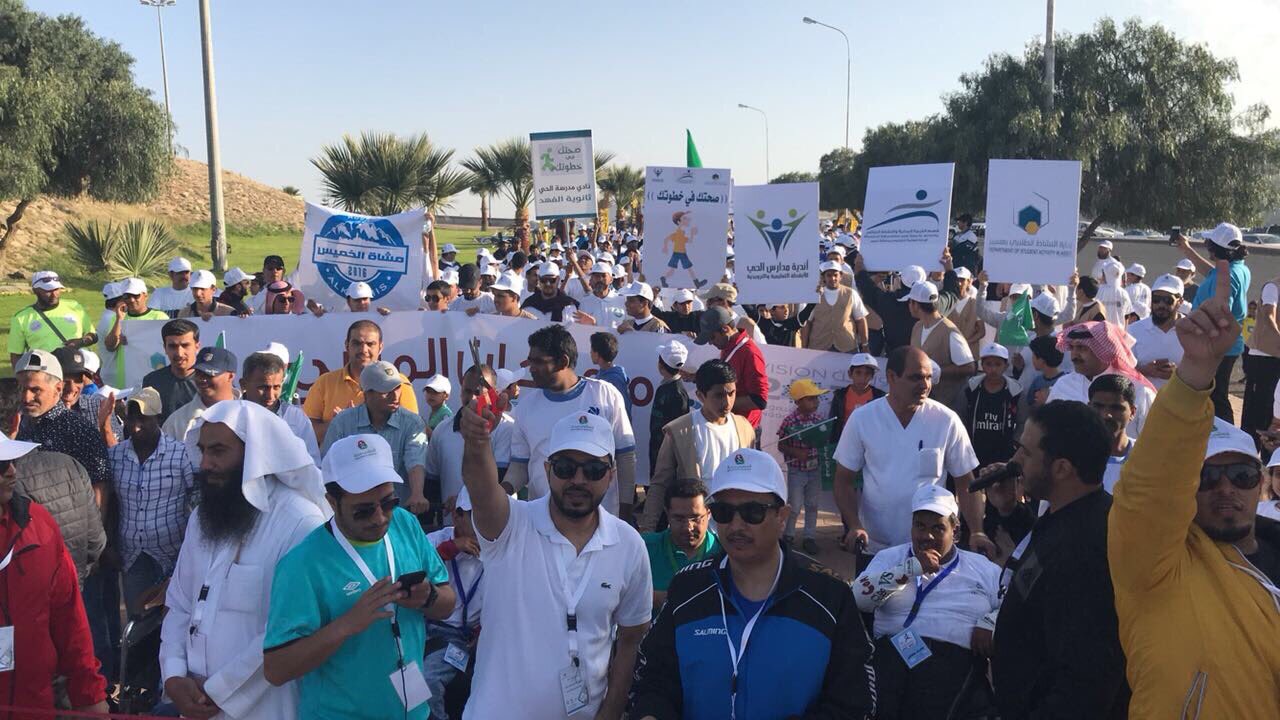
(1155,345)
(562,577)
(606,306)
(900,442)
(178,295)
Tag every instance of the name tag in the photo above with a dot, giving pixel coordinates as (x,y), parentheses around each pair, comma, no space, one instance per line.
(411,686)
(6,648)
(457,657)
(573,688)
(911,647)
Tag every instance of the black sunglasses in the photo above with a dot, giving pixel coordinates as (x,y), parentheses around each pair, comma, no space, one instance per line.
(752,512)
(548,279)
(387,505)
(566,468)
(1245,476)
(1161,300)
(432,298)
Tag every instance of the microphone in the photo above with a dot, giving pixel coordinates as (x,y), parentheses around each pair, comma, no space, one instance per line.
(1011,470)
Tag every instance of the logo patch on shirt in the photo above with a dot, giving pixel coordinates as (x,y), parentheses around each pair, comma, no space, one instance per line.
(593,410)
(351,588)
(704,632)
(35,325)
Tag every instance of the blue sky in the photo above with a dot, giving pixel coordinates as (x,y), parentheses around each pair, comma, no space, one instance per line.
(293,75)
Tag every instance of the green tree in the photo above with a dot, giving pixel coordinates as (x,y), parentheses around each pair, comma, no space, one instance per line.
(835,180)
(510,164)
(383,174)
(795,177)
(485,184)
(72,120)
(625,185)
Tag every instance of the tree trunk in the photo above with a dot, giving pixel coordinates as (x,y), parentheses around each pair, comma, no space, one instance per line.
(522,228)
(11,222)
(1088,233)
(484,212)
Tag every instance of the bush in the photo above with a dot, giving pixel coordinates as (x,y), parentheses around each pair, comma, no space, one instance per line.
(144,249)
(93,245)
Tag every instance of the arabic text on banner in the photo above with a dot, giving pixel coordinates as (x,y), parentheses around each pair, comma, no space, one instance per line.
(906,216)
(340,248)
(775,242)
(1033,215)
(564,174)
(686,219)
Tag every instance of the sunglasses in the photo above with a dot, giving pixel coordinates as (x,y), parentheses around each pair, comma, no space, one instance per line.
(752,513)
(566,468)
(1244,476)
(432,298)
(387,505)
(1161,300)
(548,279)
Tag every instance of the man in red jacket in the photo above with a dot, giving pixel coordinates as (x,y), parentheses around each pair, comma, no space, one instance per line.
(43,628)
(717,326)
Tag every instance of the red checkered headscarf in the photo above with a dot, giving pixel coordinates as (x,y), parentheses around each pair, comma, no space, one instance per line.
(1111,343)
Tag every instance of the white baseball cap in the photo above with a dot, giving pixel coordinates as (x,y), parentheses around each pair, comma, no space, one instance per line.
(202,279)
(922,292)
(913,274)
(602,267)
(1226,235)
(359,463)
(584,432)
(1273,462)
(673,353)
(450,276)
(863,360)
(463,501)
(639,289)
(619,271)
(504,283)
(1171,284)
(489,269)
(557,246)
(829,265)
(1106,244)
(448,248)
(506,377)
(1185,264)
(111,290)
(359,290)
(90,360)
(835,249)
(548,269)
(133,286)
(682,295)
(1045,304)
(14,449)
(750,470)
(1137,269)
(994,350)
(1019,289)
(179,264)
(606,257)
(963,273)
(935,499)
(39,361)
(277,349)
(1225,438)
(46,280)
(233,276)
(439,383)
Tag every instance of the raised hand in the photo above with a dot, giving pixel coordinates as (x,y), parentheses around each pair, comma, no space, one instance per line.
(1208,333)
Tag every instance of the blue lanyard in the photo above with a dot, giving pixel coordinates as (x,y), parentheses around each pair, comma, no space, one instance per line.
(921,593)
(466,595)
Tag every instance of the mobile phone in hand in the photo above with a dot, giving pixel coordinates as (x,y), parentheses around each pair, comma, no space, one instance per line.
(408,580)
(1174,232)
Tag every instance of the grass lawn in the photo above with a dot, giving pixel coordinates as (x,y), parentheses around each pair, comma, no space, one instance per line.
(246,250)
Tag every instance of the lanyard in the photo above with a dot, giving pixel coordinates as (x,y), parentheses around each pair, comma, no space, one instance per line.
(921,593)
(368,575)
(572,600)
(219,568)
(9,556)
(737,346)
(736,655)
(467,594)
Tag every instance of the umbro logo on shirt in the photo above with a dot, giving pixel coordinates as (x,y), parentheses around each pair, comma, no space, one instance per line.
(593,410)
(351,588)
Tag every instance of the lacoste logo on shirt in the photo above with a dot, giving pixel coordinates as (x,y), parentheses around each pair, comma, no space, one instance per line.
(351,588)
(606,586)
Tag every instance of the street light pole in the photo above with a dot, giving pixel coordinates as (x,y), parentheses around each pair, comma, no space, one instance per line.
(767,176)
(848,70)
(1048,58)
(164,67)
(217,232)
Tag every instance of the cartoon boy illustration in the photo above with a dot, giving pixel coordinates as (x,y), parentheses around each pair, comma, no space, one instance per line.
(678,242)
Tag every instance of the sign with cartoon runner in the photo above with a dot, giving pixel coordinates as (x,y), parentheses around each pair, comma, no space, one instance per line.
(341,248)
(906,216)
(686,214)
(1033,214)
(775,227)
(564,174)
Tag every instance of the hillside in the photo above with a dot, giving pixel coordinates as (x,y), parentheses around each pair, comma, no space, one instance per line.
(183,201)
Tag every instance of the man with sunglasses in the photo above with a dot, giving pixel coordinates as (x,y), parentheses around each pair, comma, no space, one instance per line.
(272,272)
(761,632)
(1155,346)
(563,578)
(436,296)
(549,301)
(1195,570)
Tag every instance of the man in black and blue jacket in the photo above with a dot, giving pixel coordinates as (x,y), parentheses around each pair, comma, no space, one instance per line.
(758,633)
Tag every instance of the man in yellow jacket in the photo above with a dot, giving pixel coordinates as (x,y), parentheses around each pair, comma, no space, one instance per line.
(1195,572)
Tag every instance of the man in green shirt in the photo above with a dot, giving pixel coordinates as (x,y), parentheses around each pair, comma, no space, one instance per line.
(49,323)
(437,394)
(347,620)
(686,540)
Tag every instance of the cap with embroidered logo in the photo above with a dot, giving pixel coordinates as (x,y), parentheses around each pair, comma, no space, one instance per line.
(381,377)
(584,432)
(751,471)
(359,463)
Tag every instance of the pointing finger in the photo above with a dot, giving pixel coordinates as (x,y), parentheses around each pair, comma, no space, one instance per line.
(1222,288)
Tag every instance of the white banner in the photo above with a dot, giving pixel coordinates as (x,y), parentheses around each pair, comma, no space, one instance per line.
(341,248)
(1033,214)
(686,218)
(564,174)
(422,344)
(906,216)
(776,242)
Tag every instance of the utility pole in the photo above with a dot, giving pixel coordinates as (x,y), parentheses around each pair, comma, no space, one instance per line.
(164,67)
(217,231)
(1048,58)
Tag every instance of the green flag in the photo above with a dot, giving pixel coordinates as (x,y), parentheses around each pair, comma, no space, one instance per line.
(221,341)
(291,379)
(1017,323)
(691,158)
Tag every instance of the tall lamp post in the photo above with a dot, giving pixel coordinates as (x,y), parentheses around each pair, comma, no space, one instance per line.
(848,69)
(217,231)
(767,176)
(164,67)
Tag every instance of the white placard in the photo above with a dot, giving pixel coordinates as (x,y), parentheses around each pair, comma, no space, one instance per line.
(686,221)
(564,174)
(1033,214)
(906,216)
(339,248)
(776,241)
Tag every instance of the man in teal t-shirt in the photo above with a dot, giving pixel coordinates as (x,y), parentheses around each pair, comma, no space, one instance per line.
(686,540)
(341,620)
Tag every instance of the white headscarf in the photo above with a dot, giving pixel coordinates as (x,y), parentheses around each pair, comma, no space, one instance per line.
(270,448)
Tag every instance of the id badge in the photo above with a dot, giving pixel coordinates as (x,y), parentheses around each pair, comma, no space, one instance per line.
(6,648)
(573,689)
(196,645)
(911,647)
(412,689)
(457,657)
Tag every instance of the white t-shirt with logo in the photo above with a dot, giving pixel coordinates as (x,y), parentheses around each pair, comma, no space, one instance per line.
(1152,343)
(951,609)
(168,299)
(895,461)
(525,643)
(538,412)
(714,442)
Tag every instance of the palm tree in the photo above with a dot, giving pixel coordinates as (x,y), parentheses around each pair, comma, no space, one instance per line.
(510,164)
(383,174)
(484,182)
(625,184)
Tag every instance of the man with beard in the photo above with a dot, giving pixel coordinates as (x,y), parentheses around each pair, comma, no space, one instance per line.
(1112,397)
(154,491)
(260,496)
(548,301)
(262,381)
(687,539)
(601,305)
(50,322)
(1100,347)
(339,389)
(1155,348)
(796,645)
(178,295)
(1195,570)
(1105,260)
(563,579)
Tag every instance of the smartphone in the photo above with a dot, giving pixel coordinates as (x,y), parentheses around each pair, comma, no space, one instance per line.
(408,580)
(1174,232)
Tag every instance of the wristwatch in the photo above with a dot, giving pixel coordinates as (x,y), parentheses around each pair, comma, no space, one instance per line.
(431,598)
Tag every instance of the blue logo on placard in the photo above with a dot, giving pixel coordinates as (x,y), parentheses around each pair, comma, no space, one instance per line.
(352,248)
(909,210)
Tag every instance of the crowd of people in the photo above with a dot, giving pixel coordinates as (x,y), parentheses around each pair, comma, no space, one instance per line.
(1051,511)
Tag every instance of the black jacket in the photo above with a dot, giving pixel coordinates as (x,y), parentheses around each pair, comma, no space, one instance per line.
(1057,645)
(670,401)
(896,315)
(808,657)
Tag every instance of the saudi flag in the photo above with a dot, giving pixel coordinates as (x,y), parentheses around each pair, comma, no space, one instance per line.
(691,158)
